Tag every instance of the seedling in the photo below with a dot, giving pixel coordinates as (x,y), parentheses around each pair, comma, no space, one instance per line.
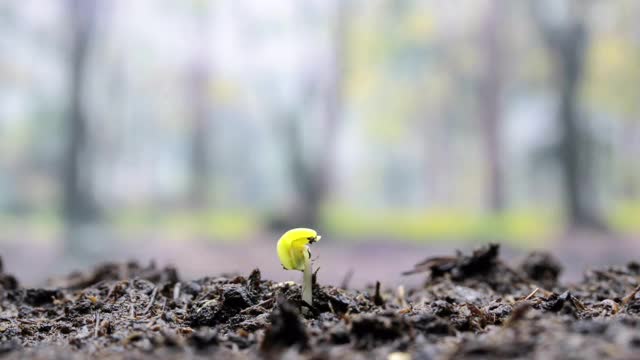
(294,254)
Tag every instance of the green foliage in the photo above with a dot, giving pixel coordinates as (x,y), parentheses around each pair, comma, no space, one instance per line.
(227,225)
(626,217)
(391,47)
(44,225)
(520,228)
(613,76)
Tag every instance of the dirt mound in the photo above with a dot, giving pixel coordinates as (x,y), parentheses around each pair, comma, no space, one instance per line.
(471,306)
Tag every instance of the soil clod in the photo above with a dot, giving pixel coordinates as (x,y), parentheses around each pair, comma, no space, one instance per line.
(543,268)
(286,330)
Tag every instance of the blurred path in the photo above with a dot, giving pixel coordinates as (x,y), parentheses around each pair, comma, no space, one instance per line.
(34,262)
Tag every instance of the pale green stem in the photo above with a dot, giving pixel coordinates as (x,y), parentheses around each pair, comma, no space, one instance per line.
(307,286)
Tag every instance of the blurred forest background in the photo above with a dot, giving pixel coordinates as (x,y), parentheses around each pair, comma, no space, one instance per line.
(217,124)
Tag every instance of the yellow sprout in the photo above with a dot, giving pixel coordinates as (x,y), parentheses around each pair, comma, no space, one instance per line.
(294,254)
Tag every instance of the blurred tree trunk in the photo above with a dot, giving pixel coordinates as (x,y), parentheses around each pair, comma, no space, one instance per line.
(79,209)
(567,44)
(199,82)
(314,180)
(302,174)
(323,177)
(490,104)
(78,206)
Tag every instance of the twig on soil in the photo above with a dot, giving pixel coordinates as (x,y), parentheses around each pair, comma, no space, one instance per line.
(256,306)
(532,294)
(153,299)
(113,288)
(110,292)
(97,325)
(377,298)
(176,291)
(132,312)
(518,314)
(405,310)
(401,296)
(314,278)
(577,303)
(347,279)
(331,307)
(204,304)
(627,299)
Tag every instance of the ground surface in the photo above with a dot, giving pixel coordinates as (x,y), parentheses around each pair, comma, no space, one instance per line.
(473,305)
(33,260)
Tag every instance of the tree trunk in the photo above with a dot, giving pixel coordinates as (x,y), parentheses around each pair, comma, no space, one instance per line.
(322,178)
(306,209)
(198,83)
(313,179)
(77,201)
(575,165)
(567,44)
(78,207)
(490,113)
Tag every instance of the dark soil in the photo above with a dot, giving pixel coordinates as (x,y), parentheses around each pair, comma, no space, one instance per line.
(471,306)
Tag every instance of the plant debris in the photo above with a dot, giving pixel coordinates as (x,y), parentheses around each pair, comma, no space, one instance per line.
(472,305)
